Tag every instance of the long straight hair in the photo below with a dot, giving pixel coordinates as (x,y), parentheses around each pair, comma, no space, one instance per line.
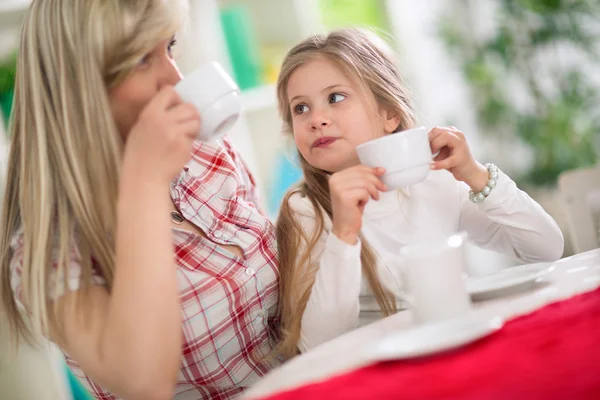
(365,58)
(65,151)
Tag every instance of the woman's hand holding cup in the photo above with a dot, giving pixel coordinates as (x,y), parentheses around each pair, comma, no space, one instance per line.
(160,142)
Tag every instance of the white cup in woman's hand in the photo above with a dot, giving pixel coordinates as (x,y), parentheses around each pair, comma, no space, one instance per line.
(216,97)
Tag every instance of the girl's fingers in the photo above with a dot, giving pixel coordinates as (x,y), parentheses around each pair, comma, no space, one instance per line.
(447,163)
(361,182)
(436,132)
(447,139)
(379,171)
(444,153)
(376,180)
(358,196)
(358,177)
(373,192)
(364,169)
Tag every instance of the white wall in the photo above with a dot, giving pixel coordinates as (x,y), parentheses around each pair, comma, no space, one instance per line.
(201,42)
(441,94)
(439,91)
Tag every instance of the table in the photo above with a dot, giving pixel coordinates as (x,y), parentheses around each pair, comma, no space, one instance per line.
(571,289)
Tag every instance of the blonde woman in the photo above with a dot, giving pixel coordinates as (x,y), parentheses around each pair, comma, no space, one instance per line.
(341,226)
(138,251)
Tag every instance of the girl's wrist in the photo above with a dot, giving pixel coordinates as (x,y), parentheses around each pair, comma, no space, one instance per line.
(345,235)
(478,180)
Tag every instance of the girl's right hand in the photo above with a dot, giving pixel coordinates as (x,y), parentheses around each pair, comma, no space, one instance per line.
(160,142)
(350,191)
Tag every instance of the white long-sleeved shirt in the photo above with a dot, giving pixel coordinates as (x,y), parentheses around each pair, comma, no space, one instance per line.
(508,221)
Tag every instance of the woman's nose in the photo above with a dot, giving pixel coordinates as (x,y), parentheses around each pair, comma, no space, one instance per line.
(170,74)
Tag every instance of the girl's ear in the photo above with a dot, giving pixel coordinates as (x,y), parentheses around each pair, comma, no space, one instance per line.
(391,121)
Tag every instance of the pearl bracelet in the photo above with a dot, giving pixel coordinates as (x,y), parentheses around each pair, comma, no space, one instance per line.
(491,183)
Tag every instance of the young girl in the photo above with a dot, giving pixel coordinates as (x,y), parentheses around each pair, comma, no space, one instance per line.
(137,250)
(336,92)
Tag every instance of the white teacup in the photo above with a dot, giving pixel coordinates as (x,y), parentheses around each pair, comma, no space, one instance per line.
(406,157)
(432,279)
(216,97)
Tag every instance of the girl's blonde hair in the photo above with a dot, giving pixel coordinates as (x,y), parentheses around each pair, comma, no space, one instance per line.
(365,58)
(65,152)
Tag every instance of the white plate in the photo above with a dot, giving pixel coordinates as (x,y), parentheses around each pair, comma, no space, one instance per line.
(437,337)
(507,281)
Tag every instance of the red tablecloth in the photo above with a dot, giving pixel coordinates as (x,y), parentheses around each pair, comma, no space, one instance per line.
(553,353)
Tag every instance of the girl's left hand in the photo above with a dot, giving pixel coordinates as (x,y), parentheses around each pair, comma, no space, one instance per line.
(455,157)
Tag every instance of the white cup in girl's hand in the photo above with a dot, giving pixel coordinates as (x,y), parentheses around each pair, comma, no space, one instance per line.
(216,97)
(406,157)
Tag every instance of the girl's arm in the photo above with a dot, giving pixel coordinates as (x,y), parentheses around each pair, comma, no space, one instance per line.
(508,220)
(511,222)
(333,306)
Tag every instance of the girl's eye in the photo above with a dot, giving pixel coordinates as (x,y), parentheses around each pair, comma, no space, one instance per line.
(300,109)
(336,97)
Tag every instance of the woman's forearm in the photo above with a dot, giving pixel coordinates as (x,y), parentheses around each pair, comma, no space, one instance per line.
(143,324)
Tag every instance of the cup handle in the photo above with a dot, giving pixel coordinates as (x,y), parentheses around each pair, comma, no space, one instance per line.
(437,153)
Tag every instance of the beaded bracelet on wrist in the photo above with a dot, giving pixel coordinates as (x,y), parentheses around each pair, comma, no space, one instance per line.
(478,197)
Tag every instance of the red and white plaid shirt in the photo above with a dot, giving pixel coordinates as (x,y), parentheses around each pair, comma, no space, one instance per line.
(229,304)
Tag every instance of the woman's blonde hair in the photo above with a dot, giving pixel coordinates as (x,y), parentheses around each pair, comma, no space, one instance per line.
(65,152)
(368,61)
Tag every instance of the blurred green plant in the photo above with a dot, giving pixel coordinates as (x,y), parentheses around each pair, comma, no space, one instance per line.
(343,13)
(8,70)
(520,56)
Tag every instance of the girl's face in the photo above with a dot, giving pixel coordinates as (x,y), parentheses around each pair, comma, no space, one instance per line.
(155,69)
(331,115)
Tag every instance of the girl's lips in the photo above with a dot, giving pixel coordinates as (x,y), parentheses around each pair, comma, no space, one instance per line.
(324,141)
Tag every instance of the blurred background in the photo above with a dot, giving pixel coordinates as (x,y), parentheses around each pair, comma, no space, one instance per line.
(520,77)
